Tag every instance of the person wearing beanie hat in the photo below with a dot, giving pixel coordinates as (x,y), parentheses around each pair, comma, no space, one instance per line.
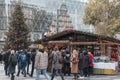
(41,62)
(40,47)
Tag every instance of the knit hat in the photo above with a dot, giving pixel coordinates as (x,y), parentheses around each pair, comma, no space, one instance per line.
(40,46)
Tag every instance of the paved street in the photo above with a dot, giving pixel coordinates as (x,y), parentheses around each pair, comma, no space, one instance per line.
(95,77)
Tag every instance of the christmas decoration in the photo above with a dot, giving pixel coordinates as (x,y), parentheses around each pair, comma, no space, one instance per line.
(17,35)
(69,30)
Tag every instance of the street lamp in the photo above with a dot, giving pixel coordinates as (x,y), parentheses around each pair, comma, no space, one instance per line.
(57,19)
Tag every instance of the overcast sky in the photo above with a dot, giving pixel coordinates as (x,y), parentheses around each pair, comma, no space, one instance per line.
(37,2)
(82,0)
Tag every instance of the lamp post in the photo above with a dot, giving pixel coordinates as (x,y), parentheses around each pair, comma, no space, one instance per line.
(57,20)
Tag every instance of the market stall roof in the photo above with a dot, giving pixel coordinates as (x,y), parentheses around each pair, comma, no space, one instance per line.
(68,32)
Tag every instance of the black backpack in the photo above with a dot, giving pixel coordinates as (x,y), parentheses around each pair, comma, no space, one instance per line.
(67,58)
(13,59)
(60,57)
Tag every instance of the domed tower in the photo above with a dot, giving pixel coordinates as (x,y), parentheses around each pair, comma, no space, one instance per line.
(63,20)
(63,9)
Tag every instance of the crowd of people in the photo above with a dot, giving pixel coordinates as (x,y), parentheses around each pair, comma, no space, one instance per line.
(57,61)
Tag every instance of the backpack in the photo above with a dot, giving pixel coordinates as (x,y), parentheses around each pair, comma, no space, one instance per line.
(60,58)
(23,58)
(14,60)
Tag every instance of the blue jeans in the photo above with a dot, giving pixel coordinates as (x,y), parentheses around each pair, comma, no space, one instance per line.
(38,71)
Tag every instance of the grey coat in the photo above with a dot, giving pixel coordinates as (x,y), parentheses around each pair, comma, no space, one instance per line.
(11,67)
(55,63)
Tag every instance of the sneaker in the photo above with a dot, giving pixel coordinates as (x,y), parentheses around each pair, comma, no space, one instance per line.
(81,77)
(22,72)
(17,75)
(31,75)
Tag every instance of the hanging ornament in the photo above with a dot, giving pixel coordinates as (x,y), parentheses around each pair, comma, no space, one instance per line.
(15,33)
(69,30)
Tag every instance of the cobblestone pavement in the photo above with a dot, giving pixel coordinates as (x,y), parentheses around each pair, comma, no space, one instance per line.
(95,77)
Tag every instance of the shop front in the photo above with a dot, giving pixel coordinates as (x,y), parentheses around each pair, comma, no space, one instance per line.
(104,49)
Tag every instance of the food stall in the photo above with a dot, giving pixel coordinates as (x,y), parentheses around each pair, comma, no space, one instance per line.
(104,49)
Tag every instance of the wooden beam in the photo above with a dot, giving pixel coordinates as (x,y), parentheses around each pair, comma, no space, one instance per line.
(60,41)
(84,43)
(92,43)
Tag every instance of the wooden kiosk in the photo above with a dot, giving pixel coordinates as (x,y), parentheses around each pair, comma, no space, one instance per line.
(100,45)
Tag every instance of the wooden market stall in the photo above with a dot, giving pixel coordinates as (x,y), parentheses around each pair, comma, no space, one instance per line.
(102,47)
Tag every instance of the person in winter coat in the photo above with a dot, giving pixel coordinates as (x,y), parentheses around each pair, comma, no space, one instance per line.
(49,68)
(57,63)
(66,67)
(81,63)
(41,63)
(0,57)
(19,62)
(12,64)
(33,54)
(28,53)
(22,63)
(74,60)
(5,59)
(91,64)
(86,63)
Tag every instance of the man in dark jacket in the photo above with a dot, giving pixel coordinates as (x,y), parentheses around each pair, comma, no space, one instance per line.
(1,57)
(28,53)
(66,67)
(22,62)
(81,63)
(5,59)
(33,54)
(86,63)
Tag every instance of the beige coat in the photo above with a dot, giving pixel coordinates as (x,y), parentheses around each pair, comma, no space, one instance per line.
(41,60)
(74,59)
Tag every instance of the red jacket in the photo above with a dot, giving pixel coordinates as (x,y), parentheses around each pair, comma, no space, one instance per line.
(91,59)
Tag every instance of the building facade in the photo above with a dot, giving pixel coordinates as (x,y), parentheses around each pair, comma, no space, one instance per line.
(34,19)
(62,21)
(31,8)
(75,10)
